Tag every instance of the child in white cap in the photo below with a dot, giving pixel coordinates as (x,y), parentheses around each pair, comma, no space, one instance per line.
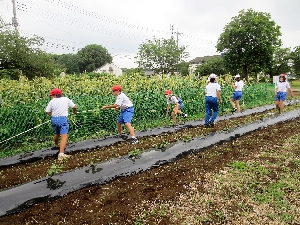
(213,93)
(237,94)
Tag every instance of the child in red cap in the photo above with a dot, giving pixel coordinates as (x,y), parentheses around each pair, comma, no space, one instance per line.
(172,99)
(57,108)
(126,114)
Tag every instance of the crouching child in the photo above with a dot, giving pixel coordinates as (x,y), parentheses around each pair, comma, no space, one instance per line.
(127,110)
(172,99)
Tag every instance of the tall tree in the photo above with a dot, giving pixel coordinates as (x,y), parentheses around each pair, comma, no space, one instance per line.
(161,55)
(280,62)
(22,55)
(213,65)
(68,62)
(92,57)
(183,68)
(295,56)
(249,42)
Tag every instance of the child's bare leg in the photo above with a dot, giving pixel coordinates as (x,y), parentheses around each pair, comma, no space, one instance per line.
(281,105)
(238,105)
(130,129)
(56,139)
(119,126)
(174,116)
(232,102)
(277,105)
(63,143)
(179,111)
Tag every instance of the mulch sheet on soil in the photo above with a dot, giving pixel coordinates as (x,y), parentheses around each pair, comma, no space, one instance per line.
(22,173)
(114,203)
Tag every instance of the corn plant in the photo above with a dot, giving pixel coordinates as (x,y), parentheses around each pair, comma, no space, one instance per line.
(23,103)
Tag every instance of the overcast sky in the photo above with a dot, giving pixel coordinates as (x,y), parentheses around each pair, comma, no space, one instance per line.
(122,25)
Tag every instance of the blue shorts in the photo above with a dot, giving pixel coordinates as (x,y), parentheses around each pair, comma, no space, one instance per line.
(281,96)
(60,124)
(126,115)
(180,103)
(237,95)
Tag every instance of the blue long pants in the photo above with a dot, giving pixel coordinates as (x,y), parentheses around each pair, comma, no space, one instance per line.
(211,103)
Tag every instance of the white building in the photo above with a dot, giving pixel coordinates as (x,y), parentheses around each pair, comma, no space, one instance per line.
(109,68)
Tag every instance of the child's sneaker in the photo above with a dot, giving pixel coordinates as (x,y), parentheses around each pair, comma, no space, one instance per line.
(185,115)
(134,141)
(211,124)
(62,156)
(234,110)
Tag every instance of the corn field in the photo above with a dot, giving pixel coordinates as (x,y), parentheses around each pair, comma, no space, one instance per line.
(23,103)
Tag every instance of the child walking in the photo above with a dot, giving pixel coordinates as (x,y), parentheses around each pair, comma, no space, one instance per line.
(213,93)
(57,108)
(126,114)
(280,92)
(238,93)
(172,99)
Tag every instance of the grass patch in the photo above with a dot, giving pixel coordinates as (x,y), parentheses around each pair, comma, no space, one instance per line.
(263,190)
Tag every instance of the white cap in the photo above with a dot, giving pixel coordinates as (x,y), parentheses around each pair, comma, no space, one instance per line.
(237,76)
(212,76)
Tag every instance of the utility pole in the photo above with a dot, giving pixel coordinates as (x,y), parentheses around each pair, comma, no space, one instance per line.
(179,58)
(172,31)
(14,19)
(177,34)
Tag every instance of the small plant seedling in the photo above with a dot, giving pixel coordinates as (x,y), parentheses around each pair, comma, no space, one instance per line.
(134,152)
(54,169)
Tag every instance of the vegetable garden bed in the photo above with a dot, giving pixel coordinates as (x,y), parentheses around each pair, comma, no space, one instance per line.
(166,141)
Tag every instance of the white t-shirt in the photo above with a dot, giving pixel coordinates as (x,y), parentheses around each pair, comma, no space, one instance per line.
(59,106)
(283,86)
(211,89)
(239,85)
(123,101)
(172,100)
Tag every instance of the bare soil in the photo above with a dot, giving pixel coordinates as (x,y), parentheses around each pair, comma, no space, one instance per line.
(116,202)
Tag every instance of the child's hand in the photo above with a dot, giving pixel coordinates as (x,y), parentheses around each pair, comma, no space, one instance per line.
(103,107)
(117,108)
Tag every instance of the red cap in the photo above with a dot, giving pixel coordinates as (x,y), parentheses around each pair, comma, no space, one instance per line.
(282,75)
(116,88)
(55,91)
(168,92)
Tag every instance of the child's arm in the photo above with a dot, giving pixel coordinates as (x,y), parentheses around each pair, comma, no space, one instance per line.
(167,113)
(219,96)
(75,109)
(276,90)
(114,106)
(291,92)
